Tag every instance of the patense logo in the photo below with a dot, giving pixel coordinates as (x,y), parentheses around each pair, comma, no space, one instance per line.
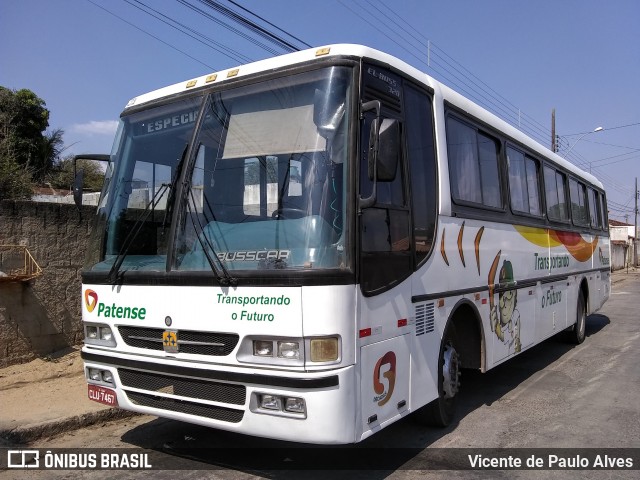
(90,300)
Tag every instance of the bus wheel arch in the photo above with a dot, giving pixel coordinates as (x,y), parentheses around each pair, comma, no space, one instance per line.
(469,335)
(462,346)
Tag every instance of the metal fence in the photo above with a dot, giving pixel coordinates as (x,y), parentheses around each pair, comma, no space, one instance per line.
(17,264)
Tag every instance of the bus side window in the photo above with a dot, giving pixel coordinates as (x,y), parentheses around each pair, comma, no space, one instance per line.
(594,208)
(474,174)
(523,182)
(603,208)
(422,169)
(578,203)
(555,194)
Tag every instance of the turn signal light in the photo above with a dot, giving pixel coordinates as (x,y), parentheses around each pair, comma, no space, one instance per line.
(324,349)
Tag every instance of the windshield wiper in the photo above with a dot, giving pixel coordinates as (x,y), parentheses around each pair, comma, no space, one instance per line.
(225,278)
(174,182)
(133,233)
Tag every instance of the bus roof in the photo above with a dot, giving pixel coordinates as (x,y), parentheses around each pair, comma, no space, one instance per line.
(442,92)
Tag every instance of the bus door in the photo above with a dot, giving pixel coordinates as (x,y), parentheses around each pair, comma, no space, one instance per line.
(385,260)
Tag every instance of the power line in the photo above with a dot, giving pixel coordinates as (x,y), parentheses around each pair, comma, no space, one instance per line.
(607,128)
(270,24)
(218,47)
(229,27)
(151,35)
(251,26)
(618,161)
(470,75)
(612,145)
(446,70)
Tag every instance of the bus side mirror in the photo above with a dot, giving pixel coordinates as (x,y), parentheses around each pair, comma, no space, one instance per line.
(78,175)
(388,150)
(78,182)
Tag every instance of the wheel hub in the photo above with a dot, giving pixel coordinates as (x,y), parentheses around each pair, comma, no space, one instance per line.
(450,372)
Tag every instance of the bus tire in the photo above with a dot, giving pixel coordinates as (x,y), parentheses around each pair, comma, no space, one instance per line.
(441,411)
(576,334)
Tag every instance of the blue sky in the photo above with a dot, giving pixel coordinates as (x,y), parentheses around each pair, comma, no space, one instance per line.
(580,57)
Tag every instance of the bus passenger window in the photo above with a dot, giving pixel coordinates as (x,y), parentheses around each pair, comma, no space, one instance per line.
(473,165)
(578,203)
(523,182)
(555,194)
(594,208)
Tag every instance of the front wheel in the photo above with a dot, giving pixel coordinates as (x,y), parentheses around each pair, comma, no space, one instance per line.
(441,411)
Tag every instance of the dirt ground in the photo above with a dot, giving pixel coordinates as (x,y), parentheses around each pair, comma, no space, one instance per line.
(42,390)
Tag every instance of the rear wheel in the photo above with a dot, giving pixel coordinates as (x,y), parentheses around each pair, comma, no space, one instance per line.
(577,333)
(441,411)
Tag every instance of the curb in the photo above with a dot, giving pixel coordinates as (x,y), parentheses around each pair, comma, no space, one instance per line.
(29,433)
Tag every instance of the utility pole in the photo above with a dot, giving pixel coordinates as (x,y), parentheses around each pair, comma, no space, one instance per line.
(554,146)
(635,230)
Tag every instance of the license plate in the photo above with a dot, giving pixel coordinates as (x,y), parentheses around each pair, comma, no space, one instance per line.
(103,395)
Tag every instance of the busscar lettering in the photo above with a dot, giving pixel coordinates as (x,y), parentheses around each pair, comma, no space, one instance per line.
(253,255)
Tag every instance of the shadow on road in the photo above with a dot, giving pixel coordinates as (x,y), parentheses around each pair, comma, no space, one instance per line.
(399,446)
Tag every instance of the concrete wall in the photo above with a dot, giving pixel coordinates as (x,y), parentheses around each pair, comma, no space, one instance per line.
(43,315)
(619,256)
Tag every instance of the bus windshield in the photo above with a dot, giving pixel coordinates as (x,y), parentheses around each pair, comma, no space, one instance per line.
(264,182)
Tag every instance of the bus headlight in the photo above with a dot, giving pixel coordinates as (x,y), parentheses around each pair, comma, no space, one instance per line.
(294,352)
(324,349)
(99,376)
(294,405)
(272,351)
(278,405)
(106,334)
(91,332)
(107,376)
(99,334)
(270,402)
(263,348)
(288,349)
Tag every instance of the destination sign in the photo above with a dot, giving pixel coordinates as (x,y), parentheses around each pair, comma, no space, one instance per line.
(167,122)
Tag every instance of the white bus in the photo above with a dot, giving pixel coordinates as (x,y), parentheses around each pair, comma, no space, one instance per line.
(311,247)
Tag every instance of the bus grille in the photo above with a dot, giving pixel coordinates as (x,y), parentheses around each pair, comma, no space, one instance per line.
(197,343)
(190,408)
(183,386)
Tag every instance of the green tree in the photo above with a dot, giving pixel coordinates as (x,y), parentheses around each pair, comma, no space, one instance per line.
(23,119)
(15,179)
(48,154)
(27,154)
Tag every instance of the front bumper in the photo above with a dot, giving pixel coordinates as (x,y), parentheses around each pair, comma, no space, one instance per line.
(226,397)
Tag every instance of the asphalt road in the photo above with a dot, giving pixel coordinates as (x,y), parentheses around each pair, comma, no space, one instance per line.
(553,396)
